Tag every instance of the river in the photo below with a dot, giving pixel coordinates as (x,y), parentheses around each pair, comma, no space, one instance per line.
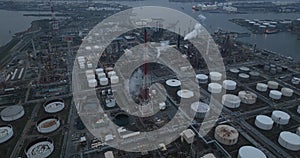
(284,43)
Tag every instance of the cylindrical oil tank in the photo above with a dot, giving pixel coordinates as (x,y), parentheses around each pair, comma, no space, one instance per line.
(295,80)
(6,132)
(264,122)
(185,94)
(199,109)
(280,117)
(90,76)
(215,76)
(111,73)
(89,72)
(92,83)
(40,148)
(247,97)
(298,109)
(173,85)
(244,69)
(244,76)
(214,88)
(234,71)
(202,78)
(103,81)
(229,84)
(231,101)
(287,92)
(275,94)
(261,87)
(289,140)
(48,125)
(99,70)
(273,85)
(12,113)
(226,134)
(254,74)
(114,79)
(250,152)
(101,75)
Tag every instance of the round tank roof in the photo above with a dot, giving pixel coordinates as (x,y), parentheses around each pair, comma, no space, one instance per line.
(250,152)
(281,114)
(173,83)
(184,93)
(234,70)
(12,110)
(243,68)
(48,125)
(200,107)
(6,132)
(264,119)
(289,140)
(254,73)
(243,75)
(201,77)
(54,106)
(40,148)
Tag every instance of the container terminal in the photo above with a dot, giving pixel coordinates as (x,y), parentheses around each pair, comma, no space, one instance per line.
(39,118)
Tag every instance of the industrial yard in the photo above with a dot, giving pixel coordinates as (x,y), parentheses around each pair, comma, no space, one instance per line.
(250,107)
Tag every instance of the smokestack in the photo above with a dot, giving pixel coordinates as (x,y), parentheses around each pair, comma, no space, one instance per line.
(145,36)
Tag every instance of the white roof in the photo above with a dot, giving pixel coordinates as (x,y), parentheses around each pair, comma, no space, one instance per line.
(200,107)
(201,76)
(12,110)
(290,138)
(229,82)
(275,92)
(264,119)
(215,86)
(251,152)
(281,114)
(184,93)
(173,82)
(243,75)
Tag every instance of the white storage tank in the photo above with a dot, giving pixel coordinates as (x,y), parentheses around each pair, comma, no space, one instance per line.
(202,78)
(244,69)
(261,87)
(111,73)
(289,140)
(89,72)
(101,75)
(90,76)
(229,84)
(231,101)
(215,76)
(273,85)
(107,69)
(6,132)
(103,81)
(48,125)
(173,85)
(244,76)
(298,109)
(226,134)
(214,88)
(234,71)
(99,70)
(247,97)
(12,113)
(264,122)
(114,79)
(54,106)
(287,92)
(250,152)
(40,148)
(92,83)
(254,74)
(280,117)
(275,94)
(185,94)
(295,80)
(199,109)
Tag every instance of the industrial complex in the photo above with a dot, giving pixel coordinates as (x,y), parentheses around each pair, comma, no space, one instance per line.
(65,92)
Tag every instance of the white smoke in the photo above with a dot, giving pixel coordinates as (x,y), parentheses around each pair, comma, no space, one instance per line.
(136,82)
(201,17)
(197,30)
